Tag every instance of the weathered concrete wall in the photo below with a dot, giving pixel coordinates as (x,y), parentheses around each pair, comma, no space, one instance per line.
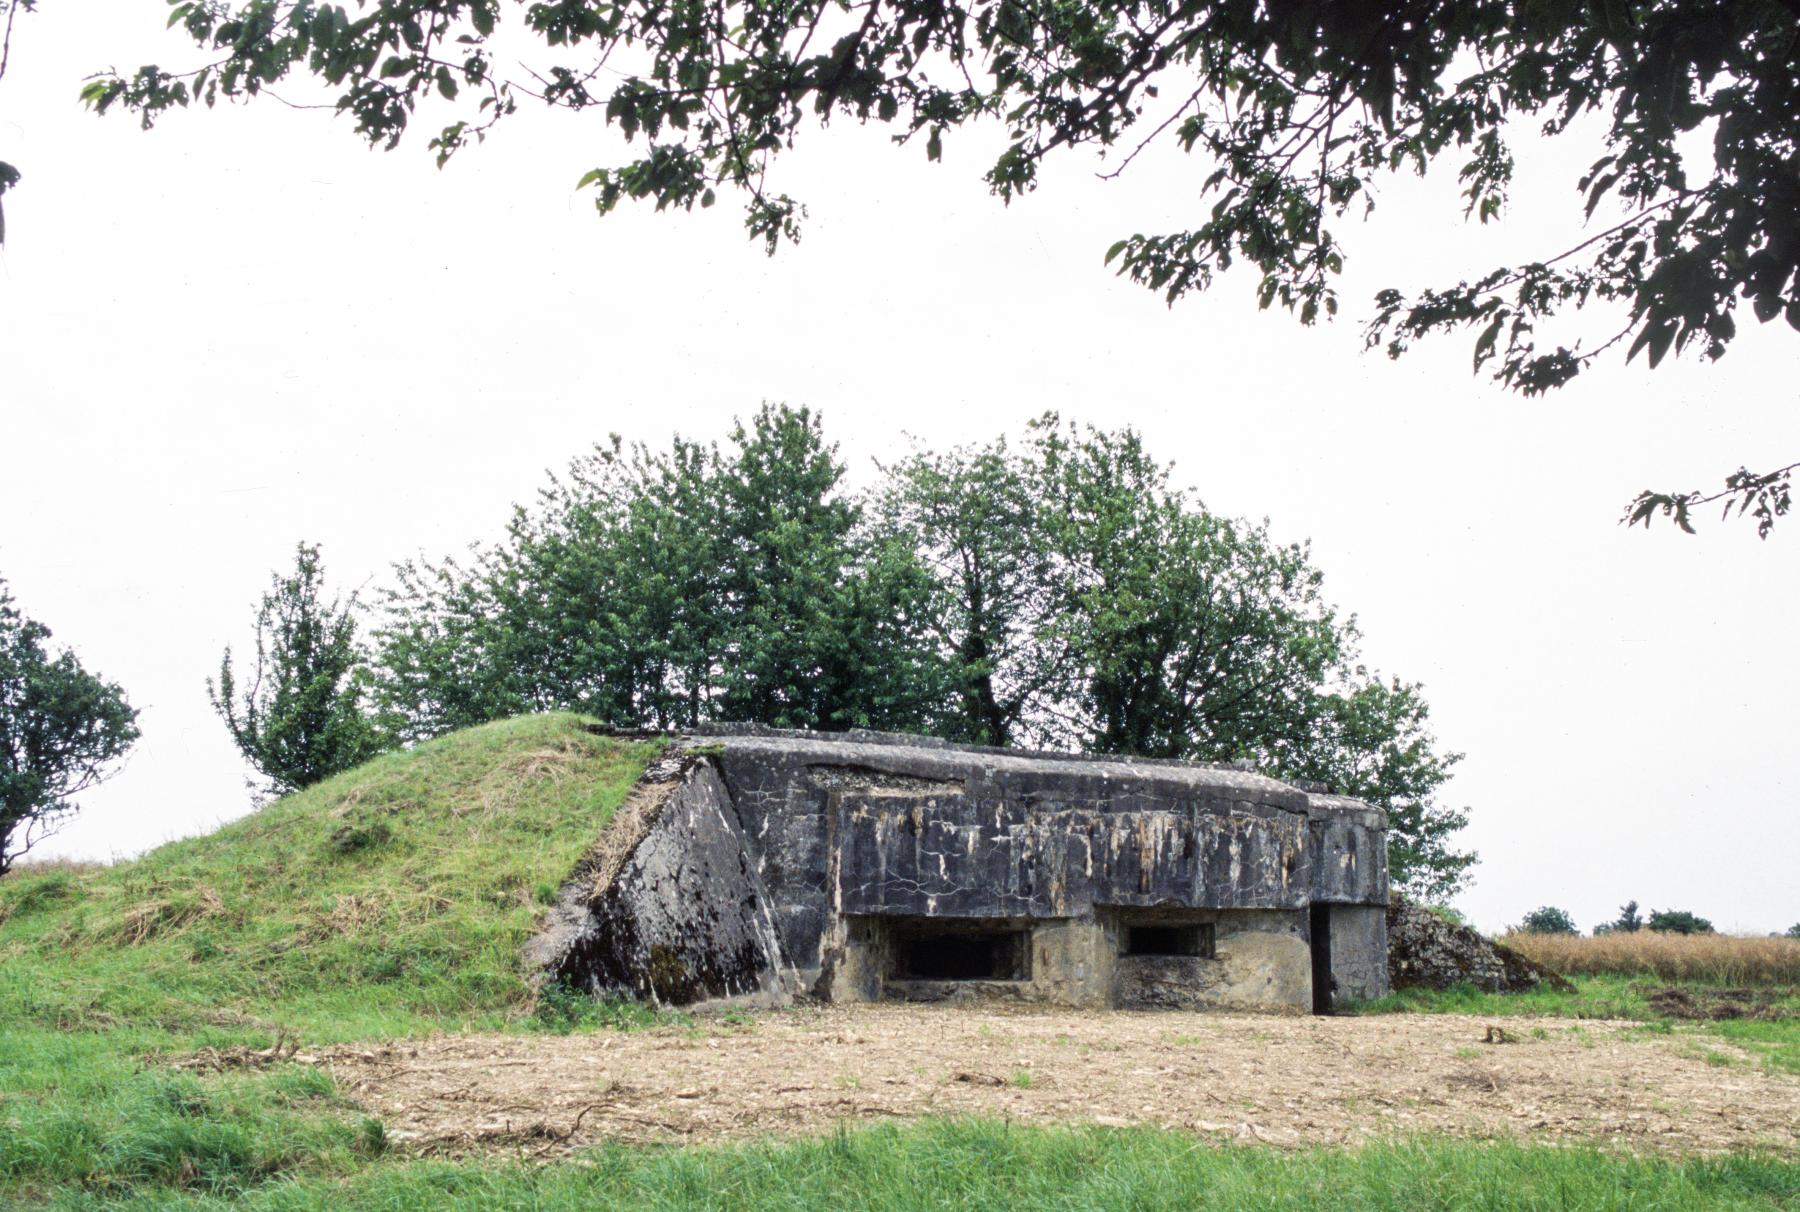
(1359,953)
(670,909)
(1051,834)
(1349,851)
(1071,964)
(1261,962)
(957,855)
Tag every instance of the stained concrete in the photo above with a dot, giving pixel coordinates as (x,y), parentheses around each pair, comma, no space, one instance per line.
(673,912)
(1359,953)
(1261,962)
(786,864)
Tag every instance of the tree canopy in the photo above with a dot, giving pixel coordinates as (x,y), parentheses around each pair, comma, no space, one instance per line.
(1548,919)
(1295,111)
(301,717)
(1056,590)
(61,731)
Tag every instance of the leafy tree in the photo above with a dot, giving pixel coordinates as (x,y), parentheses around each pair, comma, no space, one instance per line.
(1372,739)
(972,517)
(9,176)
(1056,592)
(1678,921)
(663,589)
(1194,636)
(1548,920)
(1083,600)
(1296,112)
(1793,931)
(61,728)
(301,718)
(813,640)
(1629,921)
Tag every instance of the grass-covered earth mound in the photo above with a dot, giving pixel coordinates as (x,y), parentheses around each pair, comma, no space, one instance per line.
(393,897)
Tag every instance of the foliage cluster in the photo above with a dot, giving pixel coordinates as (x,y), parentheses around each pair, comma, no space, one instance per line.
(1548,920)
(1297,114)
(1677,921)
(301,718)
(61,729)
(1628,921)
(1058,591)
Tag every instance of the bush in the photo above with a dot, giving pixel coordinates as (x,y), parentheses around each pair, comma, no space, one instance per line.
(1548,920)
(1678,921)
(1793,931)
(1629,921)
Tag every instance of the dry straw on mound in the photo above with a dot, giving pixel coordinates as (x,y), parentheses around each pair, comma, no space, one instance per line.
(1720,958)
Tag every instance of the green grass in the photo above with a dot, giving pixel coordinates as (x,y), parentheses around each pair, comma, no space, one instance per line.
(1774,1042)
(389,901)
(984,1165)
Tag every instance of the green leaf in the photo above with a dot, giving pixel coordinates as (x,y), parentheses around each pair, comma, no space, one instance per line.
(1484,345)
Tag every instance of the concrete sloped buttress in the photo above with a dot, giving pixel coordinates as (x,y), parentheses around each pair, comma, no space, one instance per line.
(667,908)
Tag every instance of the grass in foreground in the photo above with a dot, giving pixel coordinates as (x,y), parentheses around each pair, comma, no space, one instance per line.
(980,1165)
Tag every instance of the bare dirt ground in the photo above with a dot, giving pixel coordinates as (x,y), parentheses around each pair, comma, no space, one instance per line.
(1283,1081)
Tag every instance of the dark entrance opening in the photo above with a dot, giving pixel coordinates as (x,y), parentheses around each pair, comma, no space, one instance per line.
(1319,931)
(1195,940)
(958,951)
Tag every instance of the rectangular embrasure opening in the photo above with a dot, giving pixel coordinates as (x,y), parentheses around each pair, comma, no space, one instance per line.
(958,951)
(1193,940)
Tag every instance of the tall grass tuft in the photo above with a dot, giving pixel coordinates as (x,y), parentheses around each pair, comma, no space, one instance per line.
(1721,959)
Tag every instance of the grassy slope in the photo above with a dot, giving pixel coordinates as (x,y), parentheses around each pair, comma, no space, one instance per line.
(391,900)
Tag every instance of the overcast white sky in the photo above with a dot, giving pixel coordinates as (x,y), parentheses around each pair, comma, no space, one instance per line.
(245,329)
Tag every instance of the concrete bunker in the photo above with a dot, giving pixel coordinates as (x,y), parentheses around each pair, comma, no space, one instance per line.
(763,864)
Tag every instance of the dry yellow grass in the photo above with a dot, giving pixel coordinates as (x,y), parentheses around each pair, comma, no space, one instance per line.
(1715,958)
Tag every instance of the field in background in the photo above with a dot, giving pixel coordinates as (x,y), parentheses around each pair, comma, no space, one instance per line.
(1719,959)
